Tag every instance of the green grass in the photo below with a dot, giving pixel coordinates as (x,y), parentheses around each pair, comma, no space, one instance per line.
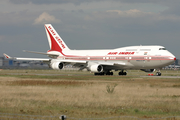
(83,95)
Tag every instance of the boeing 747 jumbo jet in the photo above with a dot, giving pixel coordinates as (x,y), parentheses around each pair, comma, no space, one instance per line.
(102,62)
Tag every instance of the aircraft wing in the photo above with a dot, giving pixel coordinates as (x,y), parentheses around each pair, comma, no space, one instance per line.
(48,60)
(73,62)
(19,58)
(49,54)
(78,63)
(112,63)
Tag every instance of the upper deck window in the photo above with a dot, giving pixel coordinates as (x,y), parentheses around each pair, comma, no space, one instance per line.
(162,48)
(145,49)
(131,49)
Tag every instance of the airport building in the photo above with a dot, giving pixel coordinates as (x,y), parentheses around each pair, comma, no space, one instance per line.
(15,64)
(1,61)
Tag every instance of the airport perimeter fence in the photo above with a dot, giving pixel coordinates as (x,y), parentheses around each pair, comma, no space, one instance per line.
(9,116)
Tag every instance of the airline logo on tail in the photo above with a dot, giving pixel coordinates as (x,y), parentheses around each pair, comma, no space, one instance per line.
(7,56)
(57,38)
(55,41)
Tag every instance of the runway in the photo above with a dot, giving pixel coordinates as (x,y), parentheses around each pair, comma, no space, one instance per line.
(161,76)
(93,75)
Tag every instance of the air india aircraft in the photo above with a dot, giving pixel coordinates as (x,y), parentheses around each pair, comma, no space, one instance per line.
(102,62)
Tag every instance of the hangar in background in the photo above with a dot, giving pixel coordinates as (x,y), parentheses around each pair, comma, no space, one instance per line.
(16,64)
(1,61)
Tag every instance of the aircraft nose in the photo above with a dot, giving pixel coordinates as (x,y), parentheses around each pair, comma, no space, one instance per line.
(172,57)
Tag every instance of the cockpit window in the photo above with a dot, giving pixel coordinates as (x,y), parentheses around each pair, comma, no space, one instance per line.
(162,48)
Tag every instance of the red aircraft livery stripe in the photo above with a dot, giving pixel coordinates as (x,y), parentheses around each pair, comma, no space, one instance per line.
(54,45)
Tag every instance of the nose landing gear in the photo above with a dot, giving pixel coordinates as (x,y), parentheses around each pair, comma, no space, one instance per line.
(158,73)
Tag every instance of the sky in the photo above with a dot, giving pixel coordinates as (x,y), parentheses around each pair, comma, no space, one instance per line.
(88,24)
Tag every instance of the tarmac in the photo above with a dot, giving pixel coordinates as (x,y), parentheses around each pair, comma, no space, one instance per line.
(161,76)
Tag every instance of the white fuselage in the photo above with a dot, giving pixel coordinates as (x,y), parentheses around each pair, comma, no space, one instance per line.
(135,57)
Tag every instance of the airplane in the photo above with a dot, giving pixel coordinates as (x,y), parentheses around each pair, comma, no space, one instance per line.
(103,62)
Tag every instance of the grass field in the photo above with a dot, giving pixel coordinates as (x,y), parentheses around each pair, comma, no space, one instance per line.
(83,95)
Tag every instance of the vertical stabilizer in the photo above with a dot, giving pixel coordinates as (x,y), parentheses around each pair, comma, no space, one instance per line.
(55,41)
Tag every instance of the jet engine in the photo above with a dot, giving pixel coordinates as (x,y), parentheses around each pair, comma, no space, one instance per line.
(148,70)
(96,68)
(57,65)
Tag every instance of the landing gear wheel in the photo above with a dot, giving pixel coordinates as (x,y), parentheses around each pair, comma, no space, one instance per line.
(158,74)
(95,73)
(101,73)
(122,73)
(109,73)
(125,73)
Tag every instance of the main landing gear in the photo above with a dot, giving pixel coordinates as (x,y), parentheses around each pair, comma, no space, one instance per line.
(111,73)
(122,72)
(104,73)
(100,73)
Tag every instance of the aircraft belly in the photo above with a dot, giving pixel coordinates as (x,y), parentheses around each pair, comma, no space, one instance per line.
(128,64)
(134,64)
(150,64)
(113,64)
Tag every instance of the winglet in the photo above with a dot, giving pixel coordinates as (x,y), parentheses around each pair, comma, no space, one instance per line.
(7,56)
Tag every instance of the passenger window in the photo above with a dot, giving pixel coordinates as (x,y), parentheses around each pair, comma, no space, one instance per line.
(162,48)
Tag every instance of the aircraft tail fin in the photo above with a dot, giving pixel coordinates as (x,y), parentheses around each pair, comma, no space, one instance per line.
(56,43)
(7,56)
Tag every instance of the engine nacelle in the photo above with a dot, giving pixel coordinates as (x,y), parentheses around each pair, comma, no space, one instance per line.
(57,65)
(96,68)
(148,70)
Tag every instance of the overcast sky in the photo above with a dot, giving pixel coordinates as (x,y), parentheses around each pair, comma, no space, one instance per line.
(89,24)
